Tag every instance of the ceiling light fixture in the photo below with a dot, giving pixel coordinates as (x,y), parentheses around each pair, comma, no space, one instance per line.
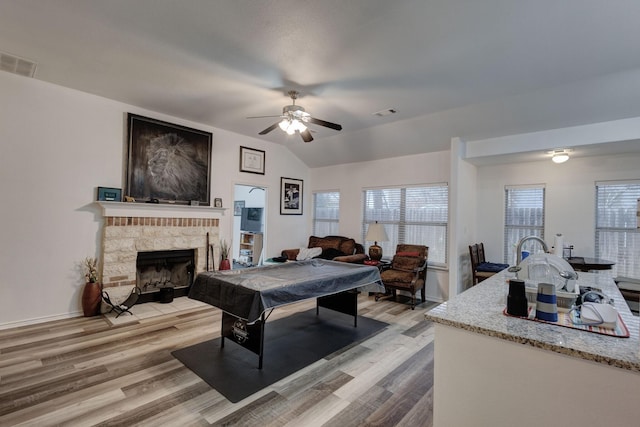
(559,156)
(290,126)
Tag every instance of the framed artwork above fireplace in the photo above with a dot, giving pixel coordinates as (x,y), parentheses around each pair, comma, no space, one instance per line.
(167,162)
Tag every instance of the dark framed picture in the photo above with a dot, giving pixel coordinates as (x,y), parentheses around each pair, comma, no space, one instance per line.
(290,196)
(107,194)
(217,202)
(237,207)
(167,162)
(251,160)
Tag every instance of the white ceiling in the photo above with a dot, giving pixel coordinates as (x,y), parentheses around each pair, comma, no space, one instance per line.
(473,69)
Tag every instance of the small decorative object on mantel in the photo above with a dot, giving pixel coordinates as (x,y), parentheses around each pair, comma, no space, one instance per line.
(129,199)
(92,292)
(217,202)
(106,194)
(225,264)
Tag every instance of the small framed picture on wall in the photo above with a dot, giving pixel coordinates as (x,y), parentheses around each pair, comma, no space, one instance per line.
(290,196)
(237,207)
(251,160)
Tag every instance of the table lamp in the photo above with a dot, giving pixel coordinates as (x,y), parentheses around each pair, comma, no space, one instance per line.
(376,233)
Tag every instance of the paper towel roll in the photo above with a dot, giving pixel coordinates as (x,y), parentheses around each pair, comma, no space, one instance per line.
(558,245)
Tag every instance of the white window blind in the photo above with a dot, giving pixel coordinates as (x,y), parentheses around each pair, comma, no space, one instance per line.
(326,213)
(617,235)
(410,215)
(523,216)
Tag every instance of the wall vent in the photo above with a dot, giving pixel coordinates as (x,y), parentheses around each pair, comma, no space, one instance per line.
(17,65)
(386,112)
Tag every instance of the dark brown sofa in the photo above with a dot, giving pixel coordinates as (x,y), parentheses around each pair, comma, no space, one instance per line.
(336,248)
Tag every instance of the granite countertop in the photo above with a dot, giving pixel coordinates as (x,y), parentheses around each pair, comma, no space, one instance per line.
(480,310)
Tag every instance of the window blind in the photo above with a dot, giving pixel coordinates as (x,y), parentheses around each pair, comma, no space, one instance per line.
(523,216)
(326,213)
(412,215)
(617,236)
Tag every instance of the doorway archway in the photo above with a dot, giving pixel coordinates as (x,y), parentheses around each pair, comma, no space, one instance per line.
(250,202)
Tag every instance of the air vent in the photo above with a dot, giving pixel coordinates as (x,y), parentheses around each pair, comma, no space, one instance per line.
(386,112)
(17,65)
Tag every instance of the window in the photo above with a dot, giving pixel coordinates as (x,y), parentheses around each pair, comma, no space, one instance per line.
(411,215)
(326,212)
(617,235)
(523,216)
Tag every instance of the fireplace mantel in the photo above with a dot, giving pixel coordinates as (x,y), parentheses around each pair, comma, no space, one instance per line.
(157,210)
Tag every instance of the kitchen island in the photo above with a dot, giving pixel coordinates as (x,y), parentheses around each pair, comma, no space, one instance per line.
(497,370)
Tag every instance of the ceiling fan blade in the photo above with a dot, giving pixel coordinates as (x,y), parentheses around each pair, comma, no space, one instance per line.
(262,117)
(269,129)
(306,136)
(325,123)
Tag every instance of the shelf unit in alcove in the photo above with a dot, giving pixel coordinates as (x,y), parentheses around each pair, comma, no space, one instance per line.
(250,247)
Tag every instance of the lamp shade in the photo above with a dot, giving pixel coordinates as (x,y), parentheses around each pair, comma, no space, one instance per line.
(376,233)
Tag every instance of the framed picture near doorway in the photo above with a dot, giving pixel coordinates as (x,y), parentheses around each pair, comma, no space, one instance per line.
(168,162)
(290,196)
(237,207)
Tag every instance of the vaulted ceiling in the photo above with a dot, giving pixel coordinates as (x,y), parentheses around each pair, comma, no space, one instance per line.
(473,69)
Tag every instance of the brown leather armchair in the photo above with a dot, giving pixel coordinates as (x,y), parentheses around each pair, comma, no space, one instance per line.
(408,271)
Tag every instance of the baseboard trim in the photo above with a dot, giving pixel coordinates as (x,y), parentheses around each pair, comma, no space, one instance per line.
(37,320)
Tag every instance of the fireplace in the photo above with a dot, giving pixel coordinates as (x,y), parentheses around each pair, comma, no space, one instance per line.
(130,229)
(158,271)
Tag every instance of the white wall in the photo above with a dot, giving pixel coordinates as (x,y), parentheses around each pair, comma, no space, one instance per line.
(351,179)
(462,218)
(56,146)
(569,197)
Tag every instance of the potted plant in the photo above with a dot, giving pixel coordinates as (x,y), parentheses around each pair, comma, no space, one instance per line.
(225,264)
(92,292)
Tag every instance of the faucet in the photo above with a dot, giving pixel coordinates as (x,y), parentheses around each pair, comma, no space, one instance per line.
(521,242)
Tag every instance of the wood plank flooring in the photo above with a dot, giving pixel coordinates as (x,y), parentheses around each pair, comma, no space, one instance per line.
(86,372)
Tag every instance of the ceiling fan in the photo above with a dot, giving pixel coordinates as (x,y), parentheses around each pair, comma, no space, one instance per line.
(294,120)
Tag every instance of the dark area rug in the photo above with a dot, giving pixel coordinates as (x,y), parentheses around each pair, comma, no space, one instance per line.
(290,344)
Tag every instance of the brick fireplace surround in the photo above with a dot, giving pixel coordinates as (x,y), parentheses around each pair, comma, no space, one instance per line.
(130,228)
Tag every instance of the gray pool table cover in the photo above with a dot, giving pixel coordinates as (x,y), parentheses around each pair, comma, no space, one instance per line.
(247,293)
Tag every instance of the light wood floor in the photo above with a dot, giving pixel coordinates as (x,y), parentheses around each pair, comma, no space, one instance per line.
(85,371)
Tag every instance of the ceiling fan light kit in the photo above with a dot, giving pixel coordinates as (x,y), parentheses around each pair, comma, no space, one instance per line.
(294,118)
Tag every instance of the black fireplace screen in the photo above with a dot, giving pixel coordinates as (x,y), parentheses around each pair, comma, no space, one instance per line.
(165,269)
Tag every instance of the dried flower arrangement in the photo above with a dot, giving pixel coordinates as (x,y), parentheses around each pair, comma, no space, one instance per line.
(91,266)
(224,249)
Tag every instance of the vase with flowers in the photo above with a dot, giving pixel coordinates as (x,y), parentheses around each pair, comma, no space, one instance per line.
(225,264)
(92,292)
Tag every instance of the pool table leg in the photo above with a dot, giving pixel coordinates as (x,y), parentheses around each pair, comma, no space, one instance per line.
(344,302)
(249,336)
